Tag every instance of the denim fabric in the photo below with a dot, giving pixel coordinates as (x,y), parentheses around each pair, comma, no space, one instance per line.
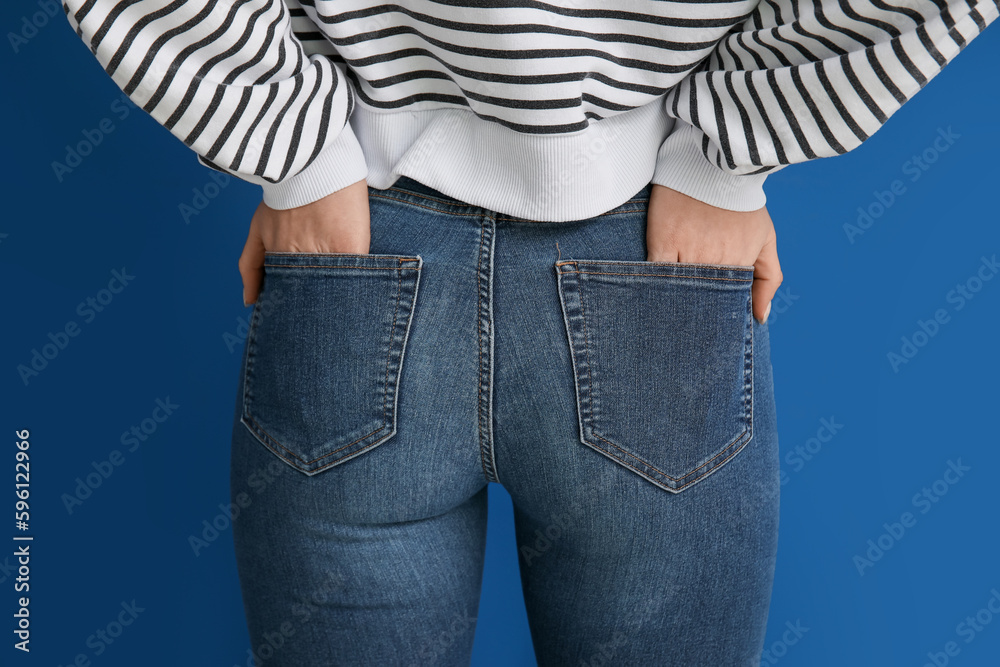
(627,407)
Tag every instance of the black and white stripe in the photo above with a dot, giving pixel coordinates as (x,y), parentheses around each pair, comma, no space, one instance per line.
(229,78)
(803,80)
(259,87)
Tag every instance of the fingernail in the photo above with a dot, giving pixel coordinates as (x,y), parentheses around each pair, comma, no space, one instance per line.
(766,312)
(245,304)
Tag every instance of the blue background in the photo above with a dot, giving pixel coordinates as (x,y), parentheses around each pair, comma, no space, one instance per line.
(843,307)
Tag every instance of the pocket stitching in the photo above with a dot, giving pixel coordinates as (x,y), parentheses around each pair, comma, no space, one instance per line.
(592,390)
(664,275)
(271,439)
(729,450)
(637,263)
(325,465)
(722,452)
(327,266)
(672,275)
(730,446)
(266,438)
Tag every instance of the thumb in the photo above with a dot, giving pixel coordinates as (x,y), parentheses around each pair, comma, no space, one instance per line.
(766,279)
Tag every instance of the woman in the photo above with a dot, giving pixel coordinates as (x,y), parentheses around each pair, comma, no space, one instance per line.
(522,243)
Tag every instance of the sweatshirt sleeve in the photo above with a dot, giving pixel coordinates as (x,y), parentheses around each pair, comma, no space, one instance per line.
(243,83)
(803,79)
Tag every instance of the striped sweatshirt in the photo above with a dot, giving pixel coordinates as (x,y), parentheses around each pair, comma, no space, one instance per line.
(550,111)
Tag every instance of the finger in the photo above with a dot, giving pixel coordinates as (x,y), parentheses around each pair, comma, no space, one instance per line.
(767,278)
(252,266)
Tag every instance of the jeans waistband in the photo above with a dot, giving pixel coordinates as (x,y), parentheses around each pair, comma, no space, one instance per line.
(416,187)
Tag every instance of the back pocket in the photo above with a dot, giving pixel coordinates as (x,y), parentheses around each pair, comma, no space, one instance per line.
(325,351)
(663,364)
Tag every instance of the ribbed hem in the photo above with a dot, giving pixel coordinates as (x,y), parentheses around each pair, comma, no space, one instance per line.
(338,165)
(683,167)
(547,178)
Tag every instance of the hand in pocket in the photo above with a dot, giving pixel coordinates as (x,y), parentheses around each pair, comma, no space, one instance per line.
(663,363)
(324,354)
(337,223)
(680,228)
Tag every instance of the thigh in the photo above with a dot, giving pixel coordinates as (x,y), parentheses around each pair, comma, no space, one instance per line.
(644,476)
(355,448)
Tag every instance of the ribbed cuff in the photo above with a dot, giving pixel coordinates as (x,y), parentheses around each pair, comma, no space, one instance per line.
(681,166)
(338,165)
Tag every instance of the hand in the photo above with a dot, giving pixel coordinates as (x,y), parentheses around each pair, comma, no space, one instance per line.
(680,228)
(339,222)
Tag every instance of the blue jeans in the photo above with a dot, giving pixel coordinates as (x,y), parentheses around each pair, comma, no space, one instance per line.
(626,406)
